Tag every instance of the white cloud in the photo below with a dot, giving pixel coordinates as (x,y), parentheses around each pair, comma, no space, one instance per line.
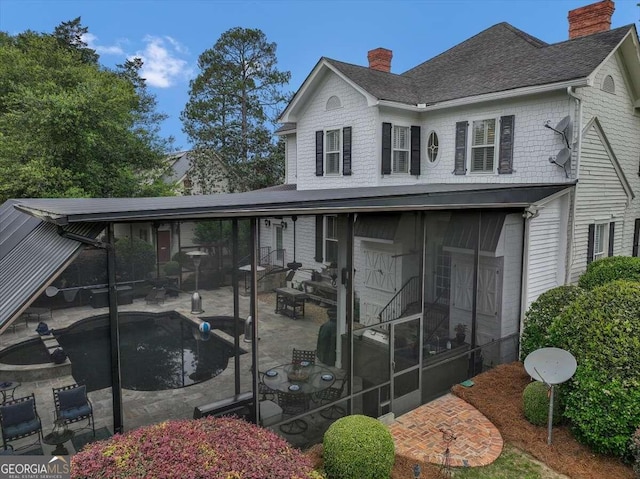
(162,63)
(91,40)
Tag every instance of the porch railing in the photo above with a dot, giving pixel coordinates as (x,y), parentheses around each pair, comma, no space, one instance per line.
(273,257)
(410,293)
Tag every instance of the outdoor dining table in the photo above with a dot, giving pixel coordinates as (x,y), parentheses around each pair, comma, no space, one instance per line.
(306,379)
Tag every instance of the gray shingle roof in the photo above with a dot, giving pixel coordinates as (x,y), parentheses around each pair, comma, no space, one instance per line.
(498,59)
(286,127)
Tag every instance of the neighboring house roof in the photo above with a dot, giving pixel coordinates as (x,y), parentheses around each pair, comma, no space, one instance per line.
(498,59)
(284,187)
(179,164)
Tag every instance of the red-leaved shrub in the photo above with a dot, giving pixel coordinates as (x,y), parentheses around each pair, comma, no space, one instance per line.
(216,448)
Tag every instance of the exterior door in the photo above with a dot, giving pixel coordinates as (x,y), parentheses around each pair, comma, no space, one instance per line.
(406,360)
(279,243)
(164,246)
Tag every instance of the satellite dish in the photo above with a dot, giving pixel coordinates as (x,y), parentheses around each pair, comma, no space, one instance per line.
(563,156)
(550,365)
(564,124)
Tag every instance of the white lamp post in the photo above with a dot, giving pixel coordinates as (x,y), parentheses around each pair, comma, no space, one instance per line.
(196,300)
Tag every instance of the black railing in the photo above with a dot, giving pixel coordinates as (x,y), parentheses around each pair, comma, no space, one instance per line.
(435,314)
(273,257)
(410,293)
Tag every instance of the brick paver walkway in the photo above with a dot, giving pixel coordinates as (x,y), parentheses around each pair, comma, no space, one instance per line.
(417,434)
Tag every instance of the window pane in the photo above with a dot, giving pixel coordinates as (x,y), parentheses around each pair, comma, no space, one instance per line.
(333,140)
(333,162)
(432,147)
(332,227)
(478,132)
(400,161)
(491,131)
(400,137)
(331,251)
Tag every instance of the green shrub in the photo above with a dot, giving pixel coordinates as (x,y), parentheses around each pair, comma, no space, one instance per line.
(610,269)
(635,452)
(602,330)
(358,447)
(135,259)
(541,314)
(226,448)
(535,399)
(172,268)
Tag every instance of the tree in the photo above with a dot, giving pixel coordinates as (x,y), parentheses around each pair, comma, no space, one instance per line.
(231,102)
(71,128)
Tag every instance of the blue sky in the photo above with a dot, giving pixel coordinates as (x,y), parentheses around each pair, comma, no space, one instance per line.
(170,34)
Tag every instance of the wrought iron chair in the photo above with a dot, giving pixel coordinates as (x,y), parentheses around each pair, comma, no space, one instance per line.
(299,355)
(265,390)
(332,394)
(19,418)
(292,405)
(73,405)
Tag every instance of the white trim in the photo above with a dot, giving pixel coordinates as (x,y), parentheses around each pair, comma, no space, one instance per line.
(614,160)
(591,78)
(432,164)
(286,132)
(470,146)
(325,152)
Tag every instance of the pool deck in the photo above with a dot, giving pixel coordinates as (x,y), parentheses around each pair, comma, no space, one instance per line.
(278,335)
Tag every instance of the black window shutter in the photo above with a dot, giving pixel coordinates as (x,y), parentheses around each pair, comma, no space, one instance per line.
(415,150)
(386,148)
(346,151)
(319,153)
(319,238)
(460,161)
(505,160)
(590,242)
(636,239)
(612,229)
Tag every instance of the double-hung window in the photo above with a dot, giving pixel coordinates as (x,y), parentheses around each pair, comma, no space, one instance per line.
(600,241)
(401,149)
(331,239)
(332,152)
(483,146)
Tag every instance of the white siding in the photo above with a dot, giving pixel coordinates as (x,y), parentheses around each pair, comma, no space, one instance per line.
(547,249)
(290,159)
(600,197)
(622,128)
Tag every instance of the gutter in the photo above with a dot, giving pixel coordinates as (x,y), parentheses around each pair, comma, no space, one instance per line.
(572,233)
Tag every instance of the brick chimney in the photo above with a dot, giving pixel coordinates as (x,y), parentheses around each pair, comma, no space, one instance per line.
(591,19)
(380,59)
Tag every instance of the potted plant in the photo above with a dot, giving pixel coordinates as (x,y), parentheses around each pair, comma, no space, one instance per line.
(461,330)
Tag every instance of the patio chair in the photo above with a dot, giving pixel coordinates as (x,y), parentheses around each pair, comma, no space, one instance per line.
(293,404)
(299,355)
(332,394)
(263,389)
(19,418)
(73,405)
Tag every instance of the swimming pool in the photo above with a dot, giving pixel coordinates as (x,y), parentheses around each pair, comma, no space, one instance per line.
(32,351)
(157,352)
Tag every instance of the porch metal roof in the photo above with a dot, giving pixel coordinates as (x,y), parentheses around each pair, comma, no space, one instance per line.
(287,202)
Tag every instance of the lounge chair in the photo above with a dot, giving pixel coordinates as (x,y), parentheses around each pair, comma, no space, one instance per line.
(73,405)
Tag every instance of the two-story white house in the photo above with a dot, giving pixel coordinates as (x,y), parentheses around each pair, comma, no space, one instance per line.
(501,108)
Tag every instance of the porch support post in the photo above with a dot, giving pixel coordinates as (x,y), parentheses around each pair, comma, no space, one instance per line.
(350,297)
(114,333)
(474,304)
(254,315)
(236,303)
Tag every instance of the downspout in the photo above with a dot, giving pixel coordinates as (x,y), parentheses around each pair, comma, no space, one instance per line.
(114,333)
(569,265)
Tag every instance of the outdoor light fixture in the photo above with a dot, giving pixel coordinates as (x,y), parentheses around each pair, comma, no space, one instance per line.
(267,223)
(196,300)
(284,225)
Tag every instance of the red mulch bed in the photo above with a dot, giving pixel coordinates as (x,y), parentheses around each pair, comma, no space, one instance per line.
(497,394)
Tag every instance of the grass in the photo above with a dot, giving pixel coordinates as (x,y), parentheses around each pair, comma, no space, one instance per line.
(512,463)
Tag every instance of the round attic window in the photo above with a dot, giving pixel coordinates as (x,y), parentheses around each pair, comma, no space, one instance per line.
(333,103)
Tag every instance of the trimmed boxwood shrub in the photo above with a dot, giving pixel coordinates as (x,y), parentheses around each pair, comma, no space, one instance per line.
(358,447)
(216,448)
(541,314)
(610,269)
(602,330)
(535,401)
(172,268)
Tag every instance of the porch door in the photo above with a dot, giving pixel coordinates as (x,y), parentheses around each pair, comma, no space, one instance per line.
(406,338)
(164,246)
(278,242)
